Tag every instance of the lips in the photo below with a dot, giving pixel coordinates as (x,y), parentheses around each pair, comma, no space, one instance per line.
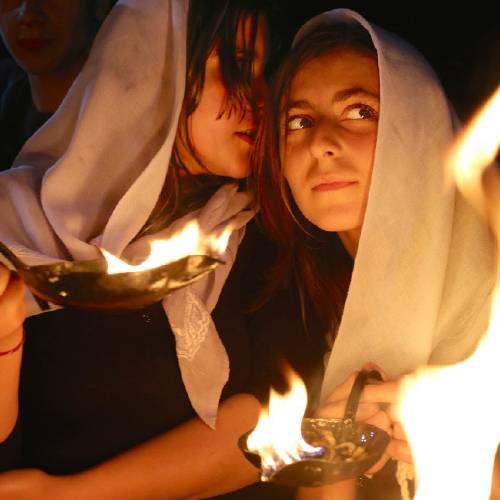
(247,136)
(33,36)
(333,186)
(32,43)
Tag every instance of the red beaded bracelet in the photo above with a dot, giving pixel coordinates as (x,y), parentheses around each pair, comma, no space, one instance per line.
(16,348)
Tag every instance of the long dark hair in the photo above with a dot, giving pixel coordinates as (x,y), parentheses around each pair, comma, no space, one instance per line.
(315,259)
(212,25)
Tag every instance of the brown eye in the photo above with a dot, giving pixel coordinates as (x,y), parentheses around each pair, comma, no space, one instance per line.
(299,122)
(360,112)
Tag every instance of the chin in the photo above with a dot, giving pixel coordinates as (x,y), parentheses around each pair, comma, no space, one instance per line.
(334,217)
(236,172)
(327,227)
(335,224)
(239,175)
(37,65)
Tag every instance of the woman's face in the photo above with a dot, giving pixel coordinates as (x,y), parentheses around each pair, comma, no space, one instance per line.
(331,130)
(45,36)
(223,143)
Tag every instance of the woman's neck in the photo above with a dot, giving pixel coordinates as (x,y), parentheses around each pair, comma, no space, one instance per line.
(350,240)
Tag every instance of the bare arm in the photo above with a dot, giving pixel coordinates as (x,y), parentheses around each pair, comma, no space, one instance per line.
(188,462)
(345,490)
(12,314)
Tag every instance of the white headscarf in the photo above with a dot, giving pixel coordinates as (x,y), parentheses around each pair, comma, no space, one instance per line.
(92,176)
(423,274)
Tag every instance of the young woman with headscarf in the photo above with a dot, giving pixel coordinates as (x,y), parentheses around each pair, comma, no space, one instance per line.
(351,178)
(126,404)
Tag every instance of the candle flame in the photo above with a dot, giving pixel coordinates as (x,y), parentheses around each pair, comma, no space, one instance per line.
(476,148)
(451,421)
(278,436)
(188,241)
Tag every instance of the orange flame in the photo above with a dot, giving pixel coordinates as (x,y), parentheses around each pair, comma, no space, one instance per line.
(188,241)
(476,149)
(278,437)
(451,419)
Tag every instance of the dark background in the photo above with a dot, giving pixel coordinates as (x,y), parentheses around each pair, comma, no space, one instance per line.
(460,39)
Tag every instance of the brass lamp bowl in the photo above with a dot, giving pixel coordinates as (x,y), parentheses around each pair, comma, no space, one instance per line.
(86,284)
(320,471)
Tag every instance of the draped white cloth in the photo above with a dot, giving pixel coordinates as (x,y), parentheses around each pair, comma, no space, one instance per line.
(92,175)
(423,274)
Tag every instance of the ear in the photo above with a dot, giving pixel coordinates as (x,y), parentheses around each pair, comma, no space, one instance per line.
(101,9)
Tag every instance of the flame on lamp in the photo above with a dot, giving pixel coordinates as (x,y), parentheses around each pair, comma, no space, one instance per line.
(278,436)
(477,147)
(450,417)
(188,241)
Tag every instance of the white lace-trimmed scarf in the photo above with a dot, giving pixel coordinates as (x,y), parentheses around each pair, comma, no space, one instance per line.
(423,275)
(92,175)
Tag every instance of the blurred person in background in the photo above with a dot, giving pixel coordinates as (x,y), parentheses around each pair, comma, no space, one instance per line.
(49,41)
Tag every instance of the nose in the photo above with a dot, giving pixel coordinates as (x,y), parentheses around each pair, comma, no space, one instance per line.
(325,141)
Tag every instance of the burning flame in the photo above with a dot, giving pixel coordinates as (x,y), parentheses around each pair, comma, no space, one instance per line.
(477,149)
(188,241)
(454,427)
(278,437)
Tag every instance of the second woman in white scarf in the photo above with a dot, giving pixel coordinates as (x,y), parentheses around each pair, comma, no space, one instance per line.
(352,184)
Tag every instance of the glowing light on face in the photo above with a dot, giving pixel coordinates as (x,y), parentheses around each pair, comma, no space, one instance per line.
(331,131)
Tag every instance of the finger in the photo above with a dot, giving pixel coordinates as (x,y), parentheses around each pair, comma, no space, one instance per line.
(386,392)
(379,465)
(337,410)
(382,421)
(342,391)
(399,450)
(330,410)
(398,432)
(367,411)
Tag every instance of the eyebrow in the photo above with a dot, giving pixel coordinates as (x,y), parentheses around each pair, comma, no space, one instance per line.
(340,96)
(343,95)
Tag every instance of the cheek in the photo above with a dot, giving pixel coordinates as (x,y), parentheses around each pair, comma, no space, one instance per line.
(293,177)
(362,153)
(294,166)
(369,156)
(368,147)
(197,128)
(213,94)
(8,20)
(207,111)
(9,27)
(72,28)
(287,167)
